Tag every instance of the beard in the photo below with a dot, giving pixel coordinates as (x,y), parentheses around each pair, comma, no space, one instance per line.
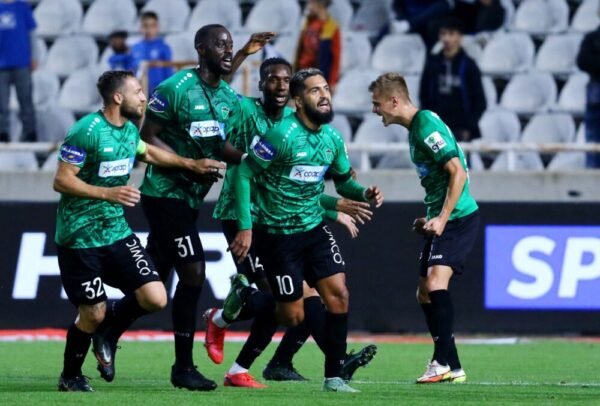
(130,112)
(317,117)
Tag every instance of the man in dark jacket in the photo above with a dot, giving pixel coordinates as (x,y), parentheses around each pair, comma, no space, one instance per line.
(451,84)
(588,61)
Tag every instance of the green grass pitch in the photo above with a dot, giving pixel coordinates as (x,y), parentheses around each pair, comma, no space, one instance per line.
(536,372)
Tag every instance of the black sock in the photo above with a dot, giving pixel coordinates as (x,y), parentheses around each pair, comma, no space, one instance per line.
(453,360)
(442,318)
(314,317)
(76,348)
(261,333)
(257,302)
(119,316)
(293,339)
(185,308)
(336,332)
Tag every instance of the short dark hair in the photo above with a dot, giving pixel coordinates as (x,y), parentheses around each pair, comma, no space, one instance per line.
(149,14)
(267,63)
(203,32)
(452,24)
(118,34)
(111,81)
(297,82)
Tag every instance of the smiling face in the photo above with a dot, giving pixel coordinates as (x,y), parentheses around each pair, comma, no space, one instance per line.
(315,100)
(217,51)
(276,86)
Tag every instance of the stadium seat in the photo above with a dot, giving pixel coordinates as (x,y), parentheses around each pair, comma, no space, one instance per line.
(356,50)
(400,53)
(507,54)
(281,16)
(529,93)
(79,91)
(45,90)
(246,81)
(524,161)
(542,17)
(18,161)
(40,51)
(105,16)
(68,54)
(489,89)
(372,16)
(586,16)
(570,160)
(472,47)
(225,12)
(57,17)
(558,54)
(573,94)
(352,92)
(182,46)
(340,122)
(287,44)
(499,125)
(549,128)
(371,130)
(50,162)
(53,123)
(413,82)
(172,14)
(509,12)
(342,12)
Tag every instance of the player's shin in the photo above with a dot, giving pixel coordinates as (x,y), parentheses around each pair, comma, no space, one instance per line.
(443,323)
(76,348)
(184,308)
(336,331)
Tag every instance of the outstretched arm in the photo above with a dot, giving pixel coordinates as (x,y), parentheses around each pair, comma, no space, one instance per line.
(256,42)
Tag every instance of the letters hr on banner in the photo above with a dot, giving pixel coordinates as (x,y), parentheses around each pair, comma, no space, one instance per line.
(542,267)
(33,264)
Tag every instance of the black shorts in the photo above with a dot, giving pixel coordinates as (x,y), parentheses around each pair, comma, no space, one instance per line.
(452,247)
(84,271)
(252,268)
(173,239)
(291,259)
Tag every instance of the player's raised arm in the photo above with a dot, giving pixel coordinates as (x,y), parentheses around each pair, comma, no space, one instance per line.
(256,42)
(67,182)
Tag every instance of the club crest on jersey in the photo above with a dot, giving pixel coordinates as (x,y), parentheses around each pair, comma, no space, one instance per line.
(225,112)
(263,150)
(308,174)
(435,142)
(158,103)
(72,155)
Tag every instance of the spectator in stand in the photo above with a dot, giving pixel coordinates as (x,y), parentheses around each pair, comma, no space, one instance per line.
(320,44)
(420,16)
(153,51)
(451,84)
(121,59)
(479,15)
(17,39)
(588,61)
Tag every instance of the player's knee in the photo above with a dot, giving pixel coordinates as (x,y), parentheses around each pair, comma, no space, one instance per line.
(434,283)
(338,300)
(153,298)
(291,318)
(90,317)
(192,274)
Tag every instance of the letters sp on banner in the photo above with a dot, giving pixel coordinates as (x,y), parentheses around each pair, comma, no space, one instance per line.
(542,267)
(33,264)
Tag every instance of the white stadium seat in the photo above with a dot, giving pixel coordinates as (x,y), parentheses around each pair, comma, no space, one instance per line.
(507,54)
(18,161)
(340,122)
(182,46)
(509,12)
(570,160)
(274,15)
(287,44)
(586,17)
(50,162)
(352,92)
(372,16)
(400,53)
(225,12)
(529,93)
(105,16)
(573,94)
(68,54)
(542,17)
(549,128)
(372,130)
(57,17)
(79,91)
(342,12)
(489,89)
(246,82)
(172,14)
(53,123)
(356,50)
(499,125)
(524,161)
(40,51)
(45,90)
(558,54)
(413,82)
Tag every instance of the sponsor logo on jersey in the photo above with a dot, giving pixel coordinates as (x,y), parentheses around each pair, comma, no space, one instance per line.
(158,103)
(263,150)
(108,149)
(119,167)
(199,107)
(72,155)
(308,174)
(301,154)
(207,128)
(435,141)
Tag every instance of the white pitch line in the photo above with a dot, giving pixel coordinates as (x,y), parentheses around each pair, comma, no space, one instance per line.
(485,383)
